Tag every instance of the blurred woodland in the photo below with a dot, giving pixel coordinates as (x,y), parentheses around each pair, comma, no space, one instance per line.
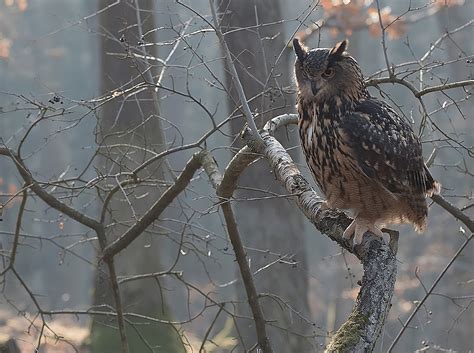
(139,216)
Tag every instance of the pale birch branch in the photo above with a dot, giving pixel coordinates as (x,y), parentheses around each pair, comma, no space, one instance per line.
(364,325)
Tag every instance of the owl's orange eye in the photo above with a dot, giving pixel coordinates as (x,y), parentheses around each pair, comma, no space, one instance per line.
(328,73)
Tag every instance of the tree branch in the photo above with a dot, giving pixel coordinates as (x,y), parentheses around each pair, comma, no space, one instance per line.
(417,93)
(235,76)
(77,216)
(247,278)
(456,212)
(428,293)
(365,323)
(155,211)
(444,86)
(47,197)
(225,187)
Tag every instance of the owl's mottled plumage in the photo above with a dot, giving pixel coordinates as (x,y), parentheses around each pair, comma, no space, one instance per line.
(363,156)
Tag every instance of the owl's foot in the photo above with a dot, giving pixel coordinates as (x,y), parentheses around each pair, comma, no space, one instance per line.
(358,227)
(324,206)
(394,235)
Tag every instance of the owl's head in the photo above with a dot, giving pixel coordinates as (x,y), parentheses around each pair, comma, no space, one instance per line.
(323,73)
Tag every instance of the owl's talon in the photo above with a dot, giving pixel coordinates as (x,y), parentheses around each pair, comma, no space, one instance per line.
(394,235)
(349,230)
(359,227)
(324,206)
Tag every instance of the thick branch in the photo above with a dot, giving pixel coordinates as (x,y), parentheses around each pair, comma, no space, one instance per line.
(361,330)
(365,323)
(233,170)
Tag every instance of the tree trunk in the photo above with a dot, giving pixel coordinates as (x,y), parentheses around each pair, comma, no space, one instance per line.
(273,226)
(129,121)
(8,346)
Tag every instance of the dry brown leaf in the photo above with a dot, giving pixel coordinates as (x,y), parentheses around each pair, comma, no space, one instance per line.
(22,4)
(5,45)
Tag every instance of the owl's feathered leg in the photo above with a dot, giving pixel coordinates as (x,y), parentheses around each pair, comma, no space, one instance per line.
(358,227)
(324,206)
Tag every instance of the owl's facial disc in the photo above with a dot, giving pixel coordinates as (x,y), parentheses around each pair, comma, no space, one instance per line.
(314,67)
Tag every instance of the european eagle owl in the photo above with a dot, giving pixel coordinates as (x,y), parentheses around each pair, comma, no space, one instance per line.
(363,156)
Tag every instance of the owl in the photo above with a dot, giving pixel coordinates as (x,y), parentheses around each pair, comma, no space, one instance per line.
(362,154)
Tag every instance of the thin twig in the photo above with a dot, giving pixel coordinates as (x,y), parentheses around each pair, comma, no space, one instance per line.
(428,293)
(384,45)
(208,332)
(155,211)
(159,130)
(47,197)
(235,76)
(17,232)
(118,305)
(444,86)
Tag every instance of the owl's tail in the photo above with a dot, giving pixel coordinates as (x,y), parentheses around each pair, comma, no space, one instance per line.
(432,186)
(418,202)
(420,212)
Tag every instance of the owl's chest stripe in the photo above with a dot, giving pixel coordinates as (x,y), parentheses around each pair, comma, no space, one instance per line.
(320,142)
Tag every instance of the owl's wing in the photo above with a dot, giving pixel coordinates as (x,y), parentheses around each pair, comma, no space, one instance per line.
(385,147)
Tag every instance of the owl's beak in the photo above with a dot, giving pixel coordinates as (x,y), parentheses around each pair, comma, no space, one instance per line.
(314,87)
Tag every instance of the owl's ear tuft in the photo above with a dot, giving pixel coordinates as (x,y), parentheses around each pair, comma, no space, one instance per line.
(300,50)
(339,48)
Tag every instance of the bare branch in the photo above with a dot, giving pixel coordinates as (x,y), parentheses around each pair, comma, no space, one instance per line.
(250,288)
(235,76)
(384,45)
(47,197)
(428,293)
(118,305)
(365,324)
(155,211)
(456,212)
(211,169)
(17,233)
(225,190)
(444,87)
(416,92)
